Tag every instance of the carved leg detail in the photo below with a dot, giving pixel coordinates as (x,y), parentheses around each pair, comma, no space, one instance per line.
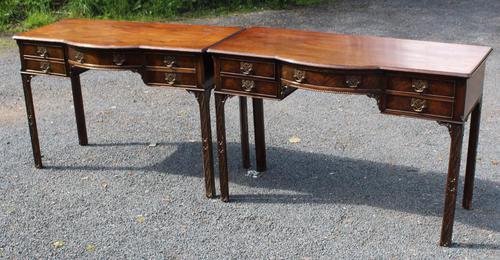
(245,153)
(220,100)
(30,112)
(79,111)
(260,142)
(206,137)
(471,156)
(456,133)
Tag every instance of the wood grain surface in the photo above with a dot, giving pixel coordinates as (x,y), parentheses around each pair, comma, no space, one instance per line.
(121,34)
(329,50)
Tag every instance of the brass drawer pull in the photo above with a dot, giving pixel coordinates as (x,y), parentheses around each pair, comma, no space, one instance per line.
(45,67)
(353,81)
(419,85)
(169,61)
(42,52)
(170,78)
(247,85)
(79,57)
(418,105)
(118,59)
(246,67)
(299,75)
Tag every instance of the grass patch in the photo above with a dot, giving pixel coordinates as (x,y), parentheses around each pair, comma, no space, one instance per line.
(6,43)
(20,15)
(37,19)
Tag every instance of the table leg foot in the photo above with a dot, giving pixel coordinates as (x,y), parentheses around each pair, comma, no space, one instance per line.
(79,111)
(30,112)
(245,150)
(260,143)
(206,136)
(471,157)
(456,134)
(220,100)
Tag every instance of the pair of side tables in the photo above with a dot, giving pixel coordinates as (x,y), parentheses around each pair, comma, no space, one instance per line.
(426,80)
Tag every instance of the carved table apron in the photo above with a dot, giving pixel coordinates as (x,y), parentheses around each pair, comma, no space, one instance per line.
(166,55)
(425,80)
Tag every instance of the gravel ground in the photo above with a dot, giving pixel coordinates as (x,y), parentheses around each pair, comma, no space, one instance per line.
(358,185)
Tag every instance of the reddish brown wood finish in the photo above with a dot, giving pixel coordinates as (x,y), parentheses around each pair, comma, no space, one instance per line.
(329,50)
(46,67)
(206,137)
(426,80)
(30,112)
(106,34)
(46,51)
(245,146)
(456,134)
(166,55)
(172,60)
(355,81)
(470,169)
(474,90)
(248,67)
(262,88)
(220,101)
(419,107)
(78,104)
(170,79)
(251,77)
(260,143)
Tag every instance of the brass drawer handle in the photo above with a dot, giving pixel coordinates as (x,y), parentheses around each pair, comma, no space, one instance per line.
(246,67)
(79,57)
(169,61)
(299,75)
(170,78)
(419,85)
(45,67)
(42,52)
(247,85)
(118,59)
(353,81)
(418,105)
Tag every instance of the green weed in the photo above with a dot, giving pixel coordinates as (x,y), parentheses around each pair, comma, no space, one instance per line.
(18,15)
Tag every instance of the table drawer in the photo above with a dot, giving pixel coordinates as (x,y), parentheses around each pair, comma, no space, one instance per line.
(45,66)
(245,67)
(330,80)
(105,59)
(43,51)
(171,79)
(261,88)
(169,60)
(422,86)
(415,105)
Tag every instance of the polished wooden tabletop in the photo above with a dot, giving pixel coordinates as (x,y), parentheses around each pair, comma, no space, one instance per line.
(331,50)
(123,34)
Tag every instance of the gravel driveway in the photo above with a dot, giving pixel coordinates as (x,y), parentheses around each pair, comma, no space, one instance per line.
(358,185)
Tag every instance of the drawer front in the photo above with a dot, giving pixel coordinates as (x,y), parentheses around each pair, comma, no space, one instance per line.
(169,60)
(249,68)
(105,59)
(251,87)
(414,105)
(170,79)
(422,86)
(330,79)
(43,51)
(45,66)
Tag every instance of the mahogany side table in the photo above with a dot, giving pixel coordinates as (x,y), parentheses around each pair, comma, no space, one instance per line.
(166,55)
(423,80)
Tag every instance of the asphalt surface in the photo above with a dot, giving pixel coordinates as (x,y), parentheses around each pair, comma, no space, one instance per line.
(358,185)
